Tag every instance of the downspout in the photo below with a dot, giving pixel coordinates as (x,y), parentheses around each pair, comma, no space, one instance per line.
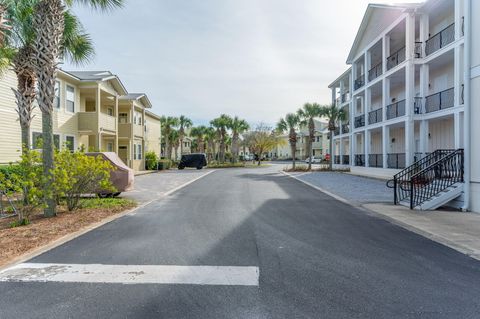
(467,100)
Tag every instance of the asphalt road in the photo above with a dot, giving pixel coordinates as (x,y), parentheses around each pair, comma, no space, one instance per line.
(317,258)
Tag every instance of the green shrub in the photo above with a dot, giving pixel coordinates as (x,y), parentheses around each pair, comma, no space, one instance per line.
(76,174)
(225,165)
(164,164)
(151,160)
(107,203)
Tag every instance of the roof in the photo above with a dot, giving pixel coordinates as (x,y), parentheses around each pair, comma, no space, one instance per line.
(340,77)
(151,114)
(96,76)
(366,18)
(137,97)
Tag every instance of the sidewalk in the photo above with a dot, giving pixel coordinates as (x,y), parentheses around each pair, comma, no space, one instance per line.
(457,230)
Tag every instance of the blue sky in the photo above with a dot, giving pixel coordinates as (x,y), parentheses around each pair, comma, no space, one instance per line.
(257,59)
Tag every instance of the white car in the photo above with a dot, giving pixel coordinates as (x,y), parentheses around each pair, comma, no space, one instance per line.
(315,160)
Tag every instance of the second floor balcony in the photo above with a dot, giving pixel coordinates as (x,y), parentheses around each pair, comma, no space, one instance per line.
(359,82)
(396,58)
(440,39)
(395,110)
(375,116)
(375,72)
(360,121)
(94,122)
(345,97)
(440,101)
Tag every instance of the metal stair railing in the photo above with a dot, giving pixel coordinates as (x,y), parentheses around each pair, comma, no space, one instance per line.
(401,180)
(436,178)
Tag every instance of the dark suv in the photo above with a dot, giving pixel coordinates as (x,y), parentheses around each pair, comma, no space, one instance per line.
(198,161)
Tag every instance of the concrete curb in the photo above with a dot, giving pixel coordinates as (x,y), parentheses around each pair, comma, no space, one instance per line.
(62,240)
(434,237)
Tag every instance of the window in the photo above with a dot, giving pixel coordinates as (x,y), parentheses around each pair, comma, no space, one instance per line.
(70,143)
(139,151)
(109,147)
(70,106)
(123,118)
(110,111)
(56,101)
(37,140)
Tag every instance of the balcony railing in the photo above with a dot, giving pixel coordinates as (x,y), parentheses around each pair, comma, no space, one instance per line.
(346,159)
(440,101)
(375,116)
(375,160)
(462,96)
(336,131)
(360,121)
(396,160)
(345,97)
(375,72)
(359,82)
(418,105)
(336,159)
(418,49)
(396,110)
(346,128)
(360,160)
(440,40)
(396,58)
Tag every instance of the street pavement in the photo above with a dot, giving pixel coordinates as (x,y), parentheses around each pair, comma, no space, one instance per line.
(245,243)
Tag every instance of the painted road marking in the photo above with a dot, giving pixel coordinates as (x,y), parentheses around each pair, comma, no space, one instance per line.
(132,274)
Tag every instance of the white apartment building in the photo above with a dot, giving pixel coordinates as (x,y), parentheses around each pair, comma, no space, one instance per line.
(407,90)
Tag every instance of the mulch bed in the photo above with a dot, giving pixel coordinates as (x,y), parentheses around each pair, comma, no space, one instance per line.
(41,231)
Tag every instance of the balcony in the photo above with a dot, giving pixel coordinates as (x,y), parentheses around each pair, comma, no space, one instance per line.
(345,97)
(375,116)
(346,128)
(440,40)
(108,123)
(396,160)
(440,101)
(375,72)
(360,121)
(396,58)
(346,159)
(360,160)
(359,82)
(336,159)
(375,160)
(396,110)
(138,130)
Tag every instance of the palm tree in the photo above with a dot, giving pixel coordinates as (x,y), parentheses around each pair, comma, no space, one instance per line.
(184,123)
(19,52)
(211,139)
(199,133)
(168,125)
(222,124)
(307,114)
(333,115)
(174,137)
(290,124)
(238,127)
(49,24)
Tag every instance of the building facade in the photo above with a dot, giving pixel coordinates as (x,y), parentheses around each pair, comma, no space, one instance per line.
(91,112)
(320,144)
(411,89)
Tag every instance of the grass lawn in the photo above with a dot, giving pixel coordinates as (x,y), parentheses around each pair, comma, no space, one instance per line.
(42,231)
(236,165)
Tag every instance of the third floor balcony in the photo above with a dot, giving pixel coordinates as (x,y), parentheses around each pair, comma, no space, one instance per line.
(440,40)
(396,109)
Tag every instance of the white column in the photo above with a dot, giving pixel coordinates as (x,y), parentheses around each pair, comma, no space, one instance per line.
(368,64)
(409,90)
(458,19)
(457,130)
(334,94)
(424,80)
(385,144)
(98,106)
(366,140)
(385,51)
(367,104)
(424,136)
(351,115)
(116,124)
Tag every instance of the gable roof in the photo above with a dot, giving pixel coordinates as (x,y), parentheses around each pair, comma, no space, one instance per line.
(142,97)
(95,76)
(372,7)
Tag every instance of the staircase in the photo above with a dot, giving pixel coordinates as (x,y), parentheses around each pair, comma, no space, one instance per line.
(430,182)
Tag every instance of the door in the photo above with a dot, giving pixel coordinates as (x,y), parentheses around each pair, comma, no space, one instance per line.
(123,153)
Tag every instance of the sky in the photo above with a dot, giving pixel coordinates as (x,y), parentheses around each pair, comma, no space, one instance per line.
(257,59)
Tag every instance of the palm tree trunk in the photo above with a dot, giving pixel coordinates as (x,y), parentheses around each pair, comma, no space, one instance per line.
(235,147)
(49,24)
(294,151)
(181,146)
(310,149)
(331,150)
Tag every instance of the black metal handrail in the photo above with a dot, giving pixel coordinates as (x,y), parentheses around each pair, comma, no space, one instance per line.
(360,121)
(440,101)
(336,159)
(440,39)
(436,178)
(375,160)
(345,128)
(396,160)
(359,82)
(402,179)
(375,116)
(396,58)
(462,96)
(375,71)
(360,160)
(346,159)
(396,110)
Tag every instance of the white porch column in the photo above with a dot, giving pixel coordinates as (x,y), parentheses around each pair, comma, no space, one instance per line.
(409,91)
(385,144)
(385,96)
(367,104)
(385,51)
(367,63)
(458,19)
(424,136)
(457,129)
(116,124)
(366,140)
(98,106)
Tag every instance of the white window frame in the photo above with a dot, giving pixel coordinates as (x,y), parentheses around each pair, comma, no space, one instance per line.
(110,110)
(108,147)
(120,117)
(58,90)
(67,100)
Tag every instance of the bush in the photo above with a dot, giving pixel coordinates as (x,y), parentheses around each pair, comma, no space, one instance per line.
(151,160)
(76,174)
(164,164)
(225,165)
(24,181)
(107,203)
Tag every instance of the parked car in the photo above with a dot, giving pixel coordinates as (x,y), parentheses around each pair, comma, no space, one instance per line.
(197,160)
(315,159)
(122,177)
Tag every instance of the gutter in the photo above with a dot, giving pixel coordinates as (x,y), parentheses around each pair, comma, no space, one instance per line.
(467,104)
